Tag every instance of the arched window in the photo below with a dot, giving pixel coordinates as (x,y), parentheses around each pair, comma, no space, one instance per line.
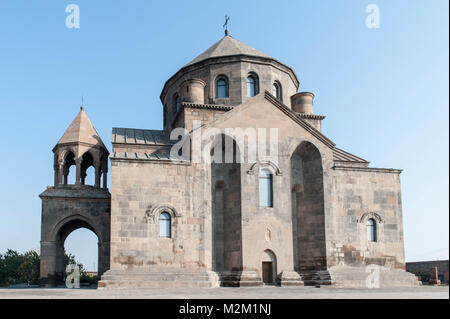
(177,101)
(252,86)
(222,88)
(265,188)
(276,90)
(164,225)
(371,230)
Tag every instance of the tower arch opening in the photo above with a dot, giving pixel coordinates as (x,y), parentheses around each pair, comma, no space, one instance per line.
(68,171)
(87,162)
(82,243)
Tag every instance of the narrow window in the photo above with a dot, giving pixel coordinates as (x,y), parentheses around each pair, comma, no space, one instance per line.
(221,89)
(177,103)
(371,230)
(251,86)
(164,225)
(276,90)
(265,189)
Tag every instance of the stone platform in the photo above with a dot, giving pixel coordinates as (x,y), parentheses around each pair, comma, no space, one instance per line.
(355,277)
(158,278)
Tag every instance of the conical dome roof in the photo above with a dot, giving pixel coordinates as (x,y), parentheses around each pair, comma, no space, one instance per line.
(228,46)
(81,131)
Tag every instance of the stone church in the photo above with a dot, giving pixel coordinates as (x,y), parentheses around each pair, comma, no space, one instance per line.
(312,214)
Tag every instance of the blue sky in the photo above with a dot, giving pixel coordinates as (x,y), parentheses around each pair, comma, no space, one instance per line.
(384,91)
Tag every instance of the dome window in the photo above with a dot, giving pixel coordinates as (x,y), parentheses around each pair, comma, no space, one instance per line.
(221,87)
(276,90)
(252,85)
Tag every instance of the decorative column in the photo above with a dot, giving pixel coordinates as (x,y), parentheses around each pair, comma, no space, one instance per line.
(97,175)
(59,172)
(78,171)
(66,175)
(105,178)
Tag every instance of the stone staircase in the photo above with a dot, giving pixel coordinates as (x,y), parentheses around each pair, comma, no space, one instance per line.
(348,276)
(316,278)
(240,279)
(158,278)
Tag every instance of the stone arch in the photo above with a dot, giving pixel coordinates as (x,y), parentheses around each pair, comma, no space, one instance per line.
(151,215)
(52,245)
(264,164)
(68,159)
(226,209)
(308,208)
(67,225)
(62,216)
(364,217)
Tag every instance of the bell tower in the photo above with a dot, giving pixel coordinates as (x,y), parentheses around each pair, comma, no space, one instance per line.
(82,147)
(68,206)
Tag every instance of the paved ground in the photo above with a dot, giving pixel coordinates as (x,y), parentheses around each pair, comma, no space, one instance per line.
(423,292)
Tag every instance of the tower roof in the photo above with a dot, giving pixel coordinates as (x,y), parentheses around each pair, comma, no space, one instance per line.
(81,131)
(228,46)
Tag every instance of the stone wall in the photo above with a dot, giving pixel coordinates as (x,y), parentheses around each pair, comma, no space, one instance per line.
(424,268)
(359,194)
(66,208)
(217,222)
(140,192)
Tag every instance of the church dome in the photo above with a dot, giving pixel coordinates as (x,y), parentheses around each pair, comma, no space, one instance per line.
(228,73)
(228,46)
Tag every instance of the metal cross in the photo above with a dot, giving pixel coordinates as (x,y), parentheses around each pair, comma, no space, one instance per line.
(225,25)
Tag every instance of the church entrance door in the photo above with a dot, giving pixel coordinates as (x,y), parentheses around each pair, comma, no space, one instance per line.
(267,268)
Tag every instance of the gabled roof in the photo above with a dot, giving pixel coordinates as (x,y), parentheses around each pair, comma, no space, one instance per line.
(81,131)
(343,156)
(283,108)
(308,127)
(228,46)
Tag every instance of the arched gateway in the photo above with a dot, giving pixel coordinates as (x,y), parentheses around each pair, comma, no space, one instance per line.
(67,207)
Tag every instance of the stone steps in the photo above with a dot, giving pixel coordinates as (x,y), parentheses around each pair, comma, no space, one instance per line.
(157,278)
(316,278)
(346,276)
(153,284)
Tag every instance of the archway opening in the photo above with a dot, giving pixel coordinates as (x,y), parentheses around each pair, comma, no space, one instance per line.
(308,210)
(87,169)
(77,242)
(226,205)
(69,169)
(90,176)
(82,244)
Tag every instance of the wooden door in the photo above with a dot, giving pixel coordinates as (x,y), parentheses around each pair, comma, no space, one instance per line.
(267,272)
